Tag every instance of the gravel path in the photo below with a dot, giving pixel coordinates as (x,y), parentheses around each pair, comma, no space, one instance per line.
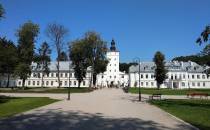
(99,110)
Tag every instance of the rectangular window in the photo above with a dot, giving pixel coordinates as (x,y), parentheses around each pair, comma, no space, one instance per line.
(61,83)
(183,84)
(83,83)
(193,84)
(152,83)
(102,76)
(142,76)
(61,74)
(147,84)
(29,83)
(37,83)
(172,77)
(56,74)
(203,76)
(193,76)
(204,84)
(65,83)
(183,76)
(51,83)
(198,76)
(33,83)
(142,84)
(198,84)
(146,76)
(19,82)
(70,83)
(47,83)
(38,75)
(66,75)
(75,83)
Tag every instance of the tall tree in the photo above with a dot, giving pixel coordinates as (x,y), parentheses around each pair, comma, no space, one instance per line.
(125,66)
(206,50)
(79,60)
(43,60)
(160,71)
(57,34)
(8,56)
(63,56)
(204,37)
(2,11)
(26,34)
(95,51)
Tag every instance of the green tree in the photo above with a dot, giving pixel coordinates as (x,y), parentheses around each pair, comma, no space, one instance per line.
(43,60)
(204,37)
(206,50)
(125,66)
(26,39)
(8,56)
(95,51)
(79,60)
(57,34)
(2,11)
(160,71)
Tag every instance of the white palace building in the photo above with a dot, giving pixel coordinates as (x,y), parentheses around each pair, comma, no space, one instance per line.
(180,75)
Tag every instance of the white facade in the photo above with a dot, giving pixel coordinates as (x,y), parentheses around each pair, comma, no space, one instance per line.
(181,75)
(112,76)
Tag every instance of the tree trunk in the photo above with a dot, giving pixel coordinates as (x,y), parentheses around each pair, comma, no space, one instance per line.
(90,80)
(8,79)
(158,86)
(23,84)
(79,82)
(94,79)
(58,68)
(42,80)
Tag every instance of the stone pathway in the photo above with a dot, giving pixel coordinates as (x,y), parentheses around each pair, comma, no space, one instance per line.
(99,110)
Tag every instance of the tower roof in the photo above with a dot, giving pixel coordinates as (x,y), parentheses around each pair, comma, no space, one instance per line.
(113,47)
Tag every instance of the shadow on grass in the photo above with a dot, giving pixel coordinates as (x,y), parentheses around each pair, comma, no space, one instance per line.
(4,99)
(55,119)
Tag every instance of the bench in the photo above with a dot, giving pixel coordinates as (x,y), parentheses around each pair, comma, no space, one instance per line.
(201,95)
(155,96)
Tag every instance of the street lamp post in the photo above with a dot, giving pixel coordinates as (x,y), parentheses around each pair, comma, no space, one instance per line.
(137,60)
(69,83)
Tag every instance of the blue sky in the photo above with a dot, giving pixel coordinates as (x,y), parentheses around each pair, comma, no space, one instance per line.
(139,27)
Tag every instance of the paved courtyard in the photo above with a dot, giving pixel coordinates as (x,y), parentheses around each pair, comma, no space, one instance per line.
(99,110)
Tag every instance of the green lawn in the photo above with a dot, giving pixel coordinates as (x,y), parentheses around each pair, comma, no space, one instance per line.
(168,91)
(13,105)
(195,112)
(44,90)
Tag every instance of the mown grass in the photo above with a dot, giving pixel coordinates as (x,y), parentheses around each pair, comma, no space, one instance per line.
(168,91)
(195,112)
(44,90)
(10,106)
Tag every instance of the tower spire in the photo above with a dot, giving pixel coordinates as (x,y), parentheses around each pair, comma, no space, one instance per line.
(113,47)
